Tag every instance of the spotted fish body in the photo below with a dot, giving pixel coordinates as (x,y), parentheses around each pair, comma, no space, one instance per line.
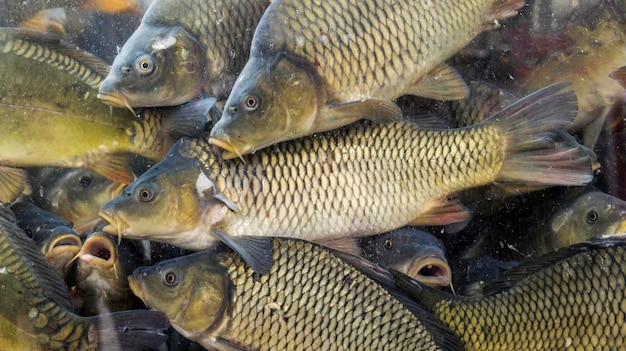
(569,300)
(309,300)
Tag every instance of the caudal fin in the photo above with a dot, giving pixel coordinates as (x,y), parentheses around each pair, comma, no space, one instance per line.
(537,149)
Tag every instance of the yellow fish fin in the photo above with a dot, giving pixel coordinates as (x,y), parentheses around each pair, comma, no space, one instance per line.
(49,20)
(12,183)
(346,244)
(377,110)
(114,167)
(441,83)
(442,211)
(114,6)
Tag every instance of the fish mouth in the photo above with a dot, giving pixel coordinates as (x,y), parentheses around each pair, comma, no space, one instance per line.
(115,99)
(100,250)
(116,225)
(231,147)
(135,287)
(432,271)
(62,250)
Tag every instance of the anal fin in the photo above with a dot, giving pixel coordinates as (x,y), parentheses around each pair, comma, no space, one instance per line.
(441,83)
(442,211)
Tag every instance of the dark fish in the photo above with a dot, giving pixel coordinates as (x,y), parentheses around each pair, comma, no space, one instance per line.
(309,300)
(362,180)
(35,310)
(58,242)
(411,251)
(569,300)
(182,50)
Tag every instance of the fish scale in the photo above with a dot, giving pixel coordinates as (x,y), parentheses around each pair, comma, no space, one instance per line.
(309,300)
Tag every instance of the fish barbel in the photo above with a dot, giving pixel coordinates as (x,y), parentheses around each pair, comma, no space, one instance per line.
(310,300)
(361,180)
(316,65)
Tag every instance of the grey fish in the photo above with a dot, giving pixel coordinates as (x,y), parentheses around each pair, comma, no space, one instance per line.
(315,66)
(309,300)
(569,300)
(357,181)
(412,251)
(36,307)
(183,50)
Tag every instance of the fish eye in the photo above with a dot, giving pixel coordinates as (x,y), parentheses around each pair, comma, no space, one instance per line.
(251,102)
(84,181)
(592,216)
(144,65)
(145,194)
(170,279)
(388,244)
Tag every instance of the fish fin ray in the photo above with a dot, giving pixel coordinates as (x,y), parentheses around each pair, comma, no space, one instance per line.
(12,183)
(441,83)
(188,120)
(256,251)
(442,211)
(619,75)
(114,167)
(346,244)
(49,20)
(377,110)
(537,149)
(130,329)
(501,10)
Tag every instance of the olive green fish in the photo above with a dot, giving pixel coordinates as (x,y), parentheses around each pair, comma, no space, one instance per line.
(414,252)
(58,242)
(183,50)
(569,300)
(35,310)
(101,270)
(361,180)
(310,300)
(315,65)
(51,117)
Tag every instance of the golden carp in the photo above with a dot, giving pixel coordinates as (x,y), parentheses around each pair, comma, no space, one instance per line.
(35,310)
(51,117)
(183,50)
(310,300)
(315,66)
(569,300)
(361,180)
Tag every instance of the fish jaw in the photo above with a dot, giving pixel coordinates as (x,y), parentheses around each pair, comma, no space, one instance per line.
(231,147)
(60,252)
(431,270)
(116,225)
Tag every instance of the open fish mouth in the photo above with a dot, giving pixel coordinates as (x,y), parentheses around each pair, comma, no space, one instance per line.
(62,250)
(431,271)
(99,253)
(231,147)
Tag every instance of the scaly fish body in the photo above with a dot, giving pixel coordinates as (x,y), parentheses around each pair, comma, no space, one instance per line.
(35,314)
(309,300)
(182,50)
(316,66)
(361,180)
(570,300)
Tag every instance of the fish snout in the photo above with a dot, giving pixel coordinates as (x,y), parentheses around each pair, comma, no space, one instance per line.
(432,271)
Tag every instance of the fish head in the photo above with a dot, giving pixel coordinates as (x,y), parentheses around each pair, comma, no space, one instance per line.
(192,290)
(591,214)
(98,268)
(157,66)
(273,100)
(160,205)
(61,248)
(413,252)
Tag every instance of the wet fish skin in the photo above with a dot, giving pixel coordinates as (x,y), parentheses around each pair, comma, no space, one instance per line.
(411,251)
(36,308)
(315,66)
(58,242)
(101,270)
(310,299)
(572,299)
(182,50)
(341,183)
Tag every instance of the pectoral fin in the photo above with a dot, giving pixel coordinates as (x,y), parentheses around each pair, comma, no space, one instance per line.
(114,167)
(347,244)
(442,211)
(441,83)
(256,251)
(377,110)
(12,183)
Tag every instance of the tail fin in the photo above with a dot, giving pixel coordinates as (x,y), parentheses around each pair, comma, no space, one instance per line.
(536,150)
(131,330)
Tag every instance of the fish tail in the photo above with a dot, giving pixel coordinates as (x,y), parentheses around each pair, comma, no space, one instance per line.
(501,10)
(537,150)
(130,330)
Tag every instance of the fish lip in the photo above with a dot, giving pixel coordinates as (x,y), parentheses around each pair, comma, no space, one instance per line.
(99,250)
(134,285)
(442,276)
(232,147)
(116,225)
(113,98)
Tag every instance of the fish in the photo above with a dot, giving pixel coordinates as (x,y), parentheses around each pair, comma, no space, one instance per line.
(571,299)
(182,50)
(36,309)
(64,125)
(411,251)
(310,299)
(56,238)
(556,219)
(101,270)
(74,194)
(316,66)
(361,180)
